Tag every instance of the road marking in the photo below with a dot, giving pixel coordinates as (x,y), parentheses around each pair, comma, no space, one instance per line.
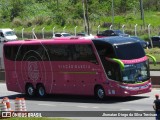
(83,106)
(95,107)
(139,110)
(47,104)
(125,109)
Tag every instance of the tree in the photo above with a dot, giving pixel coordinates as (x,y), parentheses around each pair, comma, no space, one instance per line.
(17,7)
(86,20)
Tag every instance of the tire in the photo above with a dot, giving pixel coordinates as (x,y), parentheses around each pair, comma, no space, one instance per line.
(30,91)
(99,93)
(41,92)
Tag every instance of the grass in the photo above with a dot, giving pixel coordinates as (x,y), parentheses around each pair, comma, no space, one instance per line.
(156,53)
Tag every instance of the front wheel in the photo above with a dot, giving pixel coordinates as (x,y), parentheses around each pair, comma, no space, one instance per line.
(99,93)
(30,91)
(41,91)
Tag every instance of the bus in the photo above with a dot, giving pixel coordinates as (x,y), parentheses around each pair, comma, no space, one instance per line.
(113,66)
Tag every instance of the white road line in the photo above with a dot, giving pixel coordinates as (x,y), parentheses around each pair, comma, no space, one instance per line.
(47,104)
(130,110)
(125,109)
(83,106)
(95,107)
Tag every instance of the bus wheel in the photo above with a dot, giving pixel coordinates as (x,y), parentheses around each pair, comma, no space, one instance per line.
(41,91)
(30,91)
(99,93)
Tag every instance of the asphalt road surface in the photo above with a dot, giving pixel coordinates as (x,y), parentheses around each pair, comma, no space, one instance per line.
(63,103)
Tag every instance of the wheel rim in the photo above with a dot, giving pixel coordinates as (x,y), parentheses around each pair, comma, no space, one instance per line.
(30,91)
(100,93)
(41,91)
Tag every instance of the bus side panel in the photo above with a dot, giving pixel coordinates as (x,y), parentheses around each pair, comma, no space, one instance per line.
(12,77)
(78,78)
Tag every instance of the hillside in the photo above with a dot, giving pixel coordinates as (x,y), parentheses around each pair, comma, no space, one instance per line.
(67,14)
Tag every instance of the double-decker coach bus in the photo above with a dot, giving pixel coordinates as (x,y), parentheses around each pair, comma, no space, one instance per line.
(113,66)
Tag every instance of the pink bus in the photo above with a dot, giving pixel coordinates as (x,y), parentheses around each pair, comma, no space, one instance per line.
(113,66)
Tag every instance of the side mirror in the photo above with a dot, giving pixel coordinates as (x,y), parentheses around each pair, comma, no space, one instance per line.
(118,61)
(153,58)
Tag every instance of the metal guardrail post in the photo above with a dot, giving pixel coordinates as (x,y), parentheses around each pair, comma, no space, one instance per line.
(135,29)
(149,35)
(53,31)
(75,31)
(98,28)
(123,28)
(22,33)
(33,33)
(43,32)
(111,26)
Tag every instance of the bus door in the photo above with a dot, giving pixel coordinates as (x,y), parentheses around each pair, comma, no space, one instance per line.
(112,69)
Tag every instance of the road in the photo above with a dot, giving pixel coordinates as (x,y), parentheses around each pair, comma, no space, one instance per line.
(85,103)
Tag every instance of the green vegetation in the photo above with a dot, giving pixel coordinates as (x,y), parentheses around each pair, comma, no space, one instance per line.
(156,53)
(67,14)
(27,14)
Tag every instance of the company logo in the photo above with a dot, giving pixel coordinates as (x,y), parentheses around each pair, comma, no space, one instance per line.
(33,71)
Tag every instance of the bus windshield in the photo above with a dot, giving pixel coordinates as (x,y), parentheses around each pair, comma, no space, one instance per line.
(136,73)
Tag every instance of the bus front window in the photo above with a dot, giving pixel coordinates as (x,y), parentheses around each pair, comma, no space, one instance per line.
(136,73)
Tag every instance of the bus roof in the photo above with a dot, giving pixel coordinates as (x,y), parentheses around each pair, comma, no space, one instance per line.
(116,40)
(50,41)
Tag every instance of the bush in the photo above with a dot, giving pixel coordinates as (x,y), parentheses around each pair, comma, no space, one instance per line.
(16,22)
(38,20)
(28,23)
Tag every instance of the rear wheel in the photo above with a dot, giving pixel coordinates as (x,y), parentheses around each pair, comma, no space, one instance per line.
(41,92)
(99,93)
(30,91)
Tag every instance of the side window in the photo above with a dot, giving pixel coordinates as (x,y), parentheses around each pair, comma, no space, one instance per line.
(34,53)
(59,52)
(58,35)
(11,52)
(1,34)
(112,70)
(26,53)
(112,33)
(84,53)
(105,51)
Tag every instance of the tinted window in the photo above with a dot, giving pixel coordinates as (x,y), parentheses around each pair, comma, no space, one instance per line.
(26,53)
(50,53)
(10,52)
(59,52)
(129,51)
(71,53)
(105,50)
(112,70)
(58,35)
(84,53)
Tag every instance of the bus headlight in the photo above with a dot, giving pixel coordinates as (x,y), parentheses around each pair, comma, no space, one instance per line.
(125,92)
